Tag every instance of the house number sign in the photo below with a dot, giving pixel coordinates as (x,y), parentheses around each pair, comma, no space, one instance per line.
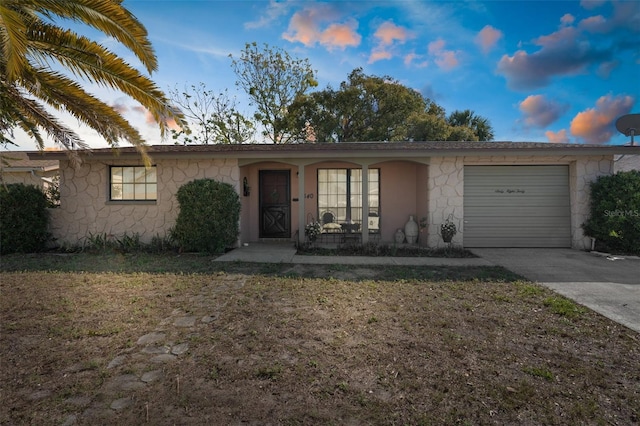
(510,191)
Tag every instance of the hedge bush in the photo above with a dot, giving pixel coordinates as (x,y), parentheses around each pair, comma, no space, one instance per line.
(24,219)
(615,212)
(208,217)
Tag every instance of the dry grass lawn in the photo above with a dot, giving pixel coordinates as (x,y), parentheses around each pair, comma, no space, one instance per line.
(286,346)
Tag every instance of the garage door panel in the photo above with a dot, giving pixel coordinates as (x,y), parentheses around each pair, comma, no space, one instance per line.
(530,231)
(508,222)
(517,206)
(491,192)
(516,182)
(546,242)
(532,202)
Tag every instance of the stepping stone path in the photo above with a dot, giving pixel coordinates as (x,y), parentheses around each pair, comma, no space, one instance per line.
(141,365)
(153,350)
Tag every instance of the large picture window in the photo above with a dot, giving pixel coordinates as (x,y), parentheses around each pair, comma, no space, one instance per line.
(340,195)
(133,183)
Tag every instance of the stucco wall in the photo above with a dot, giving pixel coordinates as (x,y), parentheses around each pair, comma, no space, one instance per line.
(27,178)
(582,172)
(625,163)
(446,189)
(85,207)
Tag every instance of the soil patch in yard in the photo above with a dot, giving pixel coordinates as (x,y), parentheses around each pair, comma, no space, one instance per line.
(307,344)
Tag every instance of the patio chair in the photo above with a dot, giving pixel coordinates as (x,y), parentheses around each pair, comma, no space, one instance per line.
(329,224)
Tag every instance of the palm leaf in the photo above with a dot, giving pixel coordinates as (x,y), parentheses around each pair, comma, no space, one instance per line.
(91,61)
(30,45)
(109,17)
(13,29)
(30,116)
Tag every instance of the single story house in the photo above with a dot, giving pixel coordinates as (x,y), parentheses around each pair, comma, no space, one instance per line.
(17,167)
(498,194)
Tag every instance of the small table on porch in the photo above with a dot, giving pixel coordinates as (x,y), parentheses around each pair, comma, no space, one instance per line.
(351,233)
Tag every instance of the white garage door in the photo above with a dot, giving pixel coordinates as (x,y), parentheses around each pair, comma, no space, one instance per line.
(517,206)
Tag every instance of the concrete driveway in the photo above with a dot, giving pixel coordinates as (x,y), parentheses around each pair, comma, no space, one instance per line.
(608,285)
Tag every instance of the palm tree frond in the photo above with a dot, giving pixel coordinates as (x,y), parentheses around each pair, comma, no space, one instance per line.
(30,115)
(30,42)
(93,62)
(14,41)
(111,18)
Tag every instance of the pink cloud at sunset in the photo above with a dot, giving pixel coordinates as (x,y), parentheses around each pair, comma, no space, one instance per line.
(567,19)
(445,59)
(572,49)
(488,37)
(387,35)
(340,35)
(596,125)
(413,58)
(149,120)
(305,28)
(436,46)
(120,107)
(388,32)
(140,109)
(594,23)
(592,4)
(378,55)
(540,112)
(557,137)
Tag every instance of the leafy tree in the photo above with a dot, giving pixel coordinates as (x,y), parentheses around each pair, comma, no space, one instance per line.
(368,108)
(211,117)
(34,47)
(273,80)
(469,127)
(426,126)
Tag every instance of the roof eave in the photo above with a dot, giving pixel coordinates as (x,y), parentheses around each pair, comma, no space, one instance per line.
(368,150)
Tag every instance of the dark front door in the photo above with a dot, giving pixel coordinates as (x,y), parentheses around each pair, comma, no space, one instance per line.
(275,206)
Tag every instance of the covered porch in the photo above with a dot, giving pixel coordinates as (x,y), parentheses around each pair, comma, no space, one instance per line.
(354,201)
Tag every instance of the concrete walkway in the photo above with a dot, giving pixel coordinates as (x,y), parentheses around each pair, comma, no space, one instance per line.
(609,285)
(286,253)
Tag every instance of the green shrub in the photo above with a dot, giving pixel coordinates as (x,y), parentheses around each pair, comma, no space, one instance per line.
(615,212)
(24,219)
(208,217)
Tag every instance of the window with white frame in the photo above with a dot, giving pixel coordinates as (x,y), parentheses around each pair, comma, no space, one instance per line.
(340,195)
(133,183)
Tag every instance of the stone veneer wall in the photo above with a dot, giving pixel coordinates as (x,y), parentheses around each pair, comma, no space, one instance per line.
(445,197)
(446,189)
(86,209)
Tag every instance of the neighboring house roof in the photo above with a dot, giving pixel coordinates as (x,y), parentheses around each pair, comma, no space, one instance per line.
(625,163)
(21,161)
(362,149)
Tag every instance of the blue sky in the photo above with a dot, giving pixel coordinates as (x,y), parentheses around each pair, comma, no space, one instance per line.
(548,71)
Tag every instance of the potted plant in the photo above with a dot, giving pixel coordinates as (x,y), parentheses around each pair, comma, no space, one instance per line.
(448,230)
(312,230)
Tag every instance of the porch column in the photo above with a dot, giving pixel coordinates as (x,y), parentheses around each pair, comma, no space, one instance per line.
(301,200)
(365,203)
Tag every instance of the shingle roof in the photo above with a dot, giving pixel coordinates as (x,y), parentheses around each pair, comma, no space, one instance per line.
(362,148)
(21,160)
